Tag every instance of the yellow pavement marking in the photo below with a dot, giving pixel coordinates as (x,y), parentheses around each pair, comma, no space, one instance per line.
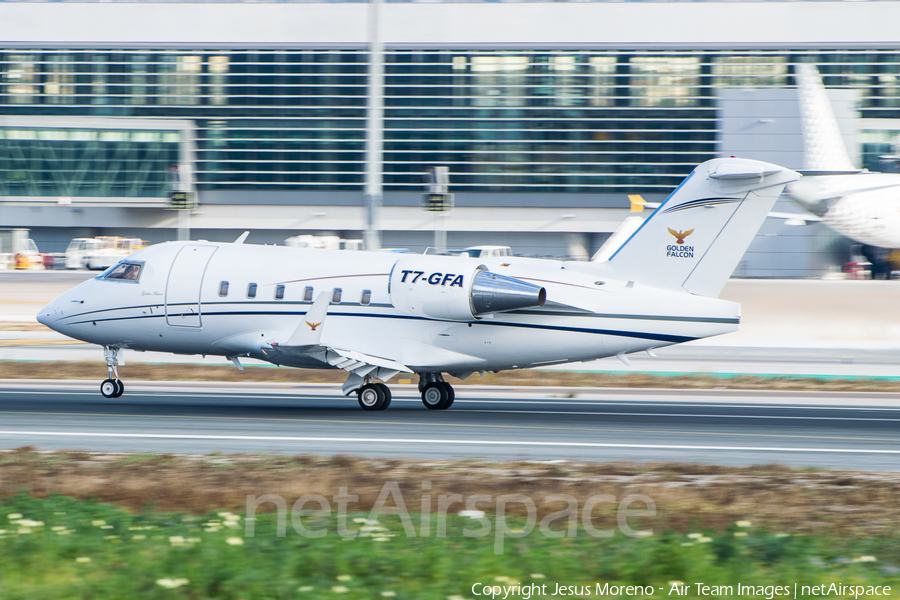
(459,425)
(31,342)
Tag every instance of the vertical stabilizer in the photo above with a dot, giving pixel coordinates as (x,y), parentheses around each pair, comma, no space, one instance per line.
(695,239)
(823,145)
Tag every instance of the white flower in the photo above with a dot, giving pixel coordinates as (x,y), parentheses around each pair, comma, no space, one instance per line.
(14,516)
(305,588)
(176,540)
(98,523)
(537,575)
(234,541)
(344,578)
(472,514)
(340,589)
(172,583)
(703,540)
(388,594)
(139,537)
(740,534)
(695,536)
(83,559)
(744,523)
(867,559)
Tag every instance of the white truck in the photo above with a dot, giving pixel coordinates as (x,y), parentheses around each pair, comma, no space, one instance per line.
(101,252)
(324,242)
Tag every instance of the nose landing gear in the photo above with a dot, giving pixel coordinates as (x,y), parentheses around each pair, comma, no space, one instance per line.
(437,394)
(112,387)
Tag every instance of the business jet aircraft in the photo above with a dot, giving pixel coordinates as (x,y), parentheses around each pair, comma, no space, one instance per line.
(863,206)
(375,315)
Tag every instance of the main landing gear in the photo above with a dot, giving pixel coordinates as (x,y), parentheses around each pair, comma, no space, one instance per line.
(437,394)
(112,387)
(374,396)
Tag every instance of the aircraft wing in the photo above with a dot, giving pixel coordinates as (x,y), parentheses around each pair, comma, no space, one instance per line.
(359,365)
(795,218)
(305,347)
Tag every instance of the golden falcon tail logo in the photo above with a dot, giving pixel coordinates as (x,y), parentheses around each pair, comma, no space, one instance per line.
(680,235)
(313,325)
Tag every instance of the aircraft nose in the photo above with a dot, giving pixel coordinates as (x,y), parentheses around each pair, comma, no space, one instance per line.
(50,315)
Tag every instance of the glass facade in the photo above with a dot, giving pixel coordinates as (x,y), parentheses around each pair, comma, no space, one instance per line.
(105,163)
(511,120)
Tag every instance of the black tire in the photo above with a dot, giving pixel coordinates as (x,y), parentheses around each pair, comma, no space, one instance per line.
(451,396)
(121,389)
(387,395)
(109,388)
(370,397)
(435,395)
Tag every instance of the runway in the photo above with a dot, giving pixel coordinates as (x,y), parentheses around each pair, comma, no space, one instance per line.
(829,430)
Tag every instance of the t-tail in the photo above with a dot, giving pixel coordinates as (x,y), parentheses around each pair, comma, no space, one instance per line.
(694,240)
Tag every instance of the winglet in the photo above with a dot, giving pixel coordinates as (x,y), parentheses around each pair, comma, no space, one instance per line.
(243,237)
(637,202)
(310,330)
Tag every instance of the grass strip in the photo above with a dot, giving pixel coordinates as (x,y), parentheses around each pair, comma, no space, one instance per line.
(64,548)
(792,500)
(526,377)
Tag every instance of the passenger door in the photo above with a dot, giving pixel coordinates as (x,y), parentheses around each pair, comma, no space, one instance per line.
(183,286)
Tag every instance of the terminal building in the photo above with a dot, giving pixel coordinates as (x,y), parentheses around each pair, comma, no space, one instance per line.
(547,114)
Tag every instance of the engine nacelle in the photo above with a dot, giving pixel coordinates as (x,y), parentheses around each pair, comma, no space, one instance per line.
(457,289)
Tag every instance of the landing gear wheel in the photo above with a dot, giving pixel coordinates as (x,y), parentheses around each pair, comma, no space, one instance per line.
(451,395)
(121,388)
(387,394)
(371,397)
(109,388)
(435,395)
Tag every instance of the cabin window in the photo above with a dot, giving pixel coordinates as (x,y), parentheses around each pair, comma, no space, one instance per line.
(279,292)
(223,288)
(251,290)
(307,294)
(366,297)
(125,272)
(336,296)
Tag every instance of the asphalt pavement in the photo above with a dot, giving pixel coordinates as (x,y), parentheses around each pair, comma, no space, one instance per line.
(829,430)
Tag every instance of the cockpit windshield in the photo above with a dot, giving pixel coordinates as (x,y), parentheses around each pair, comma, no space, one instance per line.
(125,271)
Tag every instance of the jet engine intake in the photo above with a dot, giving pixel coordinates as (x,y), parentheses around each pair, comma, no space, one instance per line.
(457,289)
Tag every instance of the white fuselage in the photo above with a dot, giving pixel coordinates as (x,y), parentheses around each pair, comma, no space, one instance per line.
(177,306)
(864,207)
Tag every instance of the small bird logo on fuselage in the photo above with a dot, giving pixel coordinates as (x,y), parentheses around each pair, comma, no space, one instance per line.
(313,325)
(680,235)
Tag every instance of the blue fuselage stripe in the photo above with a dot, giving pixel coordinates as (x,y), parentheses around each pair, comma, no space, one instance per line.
(613,332)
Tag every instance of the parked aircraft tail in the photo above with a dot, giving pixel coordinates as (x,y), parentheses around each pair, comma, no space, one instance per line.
(694,240)
(823,145)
